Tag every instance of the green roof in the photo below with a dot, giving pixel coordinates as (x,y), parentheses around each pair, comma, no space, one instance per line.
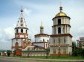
(35,51)
(4,50)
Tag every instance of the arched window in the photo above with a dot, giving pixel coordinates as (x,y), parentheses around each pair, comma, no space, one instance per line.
(43,40)
(54,50)
(16,45)
(46,45)
(64,51)
(26,31)
(54,41)
(54,30)
(59,40)
(59,21)
(16,30)
(63,30)
(21,24)
(21,30)
(64,40)
(59,30)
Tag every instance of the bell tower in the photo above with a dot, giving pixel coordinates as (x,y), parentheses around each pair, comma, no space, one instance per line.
(21,40)
(21,28)
(61,39)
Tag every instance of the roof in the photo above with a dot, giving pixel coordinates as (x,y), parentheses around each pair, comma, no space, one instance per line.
(39,47)
(35,51)
(61,14)
(4,50)
(21,21)
(40,42)
(41,35)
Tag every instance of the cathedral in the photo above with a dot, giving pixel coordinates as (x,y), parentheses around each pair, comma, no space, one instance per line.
(59,42)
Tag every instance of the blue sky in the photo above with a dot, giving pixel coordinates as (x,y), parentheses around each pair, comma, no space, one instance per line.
(35,12)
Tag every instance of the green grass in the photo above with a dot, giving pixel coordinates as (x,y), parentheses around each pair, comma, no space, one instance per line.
(56,57)
(65,57)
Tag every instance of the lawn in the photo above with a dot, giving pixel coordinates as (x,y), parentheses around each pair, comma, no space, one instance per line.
(56,57)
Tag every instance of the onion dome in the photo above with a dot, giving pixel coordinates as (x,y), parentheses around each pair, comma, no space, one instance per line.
(41,27)
(61,14)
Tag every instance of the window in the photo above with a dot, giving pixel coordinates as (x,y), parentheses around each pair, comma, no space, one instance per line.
(54,50)
(16,30)
(21,30)
(54,30)
(26,31)
(59,40)
(21,24)
(63,30)
(46,46)
(43,40)
(59,30)
(59,21)
(64,51)
(64,40)
(54,41)
(16,45)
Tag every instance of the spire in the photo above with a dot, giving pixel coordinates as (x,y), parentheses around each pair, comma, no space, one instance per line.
(21,22)
(22,13)
(41,28)
(60,6)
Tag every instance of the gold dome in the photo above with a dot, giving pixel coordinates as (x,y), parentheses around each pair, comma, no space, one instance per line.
(61,14)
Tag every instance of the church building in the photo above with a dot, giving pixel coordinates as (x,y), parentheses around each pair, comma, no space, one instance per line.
(59,42)
(21,40)
(61,39)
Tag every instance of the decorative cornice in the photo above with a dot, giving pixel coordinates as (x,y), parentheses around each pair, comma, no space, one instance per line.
(41,35)
(18,47)
(21,28)
(61,25)
(60,35)
(60,45)
(19,38)
(61,16)
(21,34)
(40,42)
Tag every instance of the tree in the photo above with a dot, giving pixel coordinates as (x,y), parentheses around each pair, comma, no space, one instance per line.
(77,51)
(8,52)
(82,53)
(74,49)
(47,52)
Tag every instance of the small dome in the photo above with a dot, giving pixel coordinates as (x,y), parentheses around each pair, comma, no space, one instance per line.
(21,10)
(61,14)
(41,27)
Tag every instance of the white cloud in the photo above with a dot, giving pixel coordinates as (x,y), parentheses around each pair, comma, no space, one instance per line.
(27,11)
(9,32)
(6,35)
